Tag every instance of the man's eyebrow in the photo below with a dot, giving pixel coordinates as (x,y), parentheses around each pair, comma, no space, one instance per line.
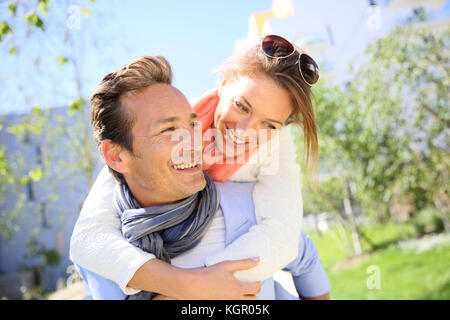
(167,120)
(267,119)
(174,119)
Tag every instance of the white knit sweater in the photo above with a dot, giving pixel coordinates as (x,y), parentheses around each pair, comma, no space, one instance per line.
(97,243)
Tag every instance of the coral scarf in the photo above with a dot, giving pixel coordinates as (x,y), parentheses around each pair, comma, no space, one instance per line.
(205,108)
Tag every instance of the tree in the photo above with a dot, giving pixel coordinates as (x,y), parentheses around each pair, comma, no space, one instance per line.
(400,98)
(43,50)
(336,194)
(21,29)
(384,137)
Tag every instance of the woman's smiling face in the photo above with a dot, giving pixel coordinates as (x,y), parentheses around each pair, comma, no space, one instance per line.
(250,108)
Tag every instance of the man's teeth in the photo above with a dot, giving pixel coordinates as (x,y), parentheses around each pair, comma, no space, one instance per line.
(184,166)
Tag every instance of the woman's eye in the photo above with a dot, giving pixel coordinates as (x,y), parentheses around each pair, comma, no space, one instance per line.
(240,106)
(270,126)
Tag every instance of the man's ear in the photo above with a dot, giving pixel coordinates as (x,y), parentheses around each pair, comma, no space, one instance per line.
(113,155)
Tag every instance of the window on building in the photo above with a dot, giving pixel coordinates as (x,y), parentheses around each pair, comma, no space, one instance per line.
(27,137)
(39,154)
(30,191)
(418,11)
(43,213)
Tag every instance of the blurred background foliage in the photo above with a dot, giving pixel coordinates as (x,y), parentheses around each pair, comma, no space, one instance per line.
(384,137)
(26,22)
(384,152)
(384,146)
(66,152)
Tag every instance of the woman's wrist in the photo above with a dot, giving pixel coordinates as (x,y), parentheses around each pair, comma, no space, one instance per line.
(190,283)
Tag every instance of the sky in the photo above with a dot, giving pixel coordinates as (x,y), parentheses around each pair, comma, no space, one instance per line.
(195,36)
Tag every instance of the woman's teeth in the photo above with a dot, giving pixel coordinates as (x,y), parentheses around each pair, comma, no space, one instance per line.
(235,138)
(184,166)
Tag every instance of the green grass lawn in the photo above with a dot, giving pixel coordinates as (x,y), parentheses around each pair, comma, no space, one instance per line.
(403,274)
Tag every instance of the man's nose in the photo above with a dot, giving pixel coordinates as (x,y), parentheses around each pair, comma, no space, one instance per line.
(193,146)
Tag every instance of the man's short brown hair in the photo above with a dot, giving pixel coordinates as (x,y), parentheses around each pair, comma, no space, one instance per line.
(108,118)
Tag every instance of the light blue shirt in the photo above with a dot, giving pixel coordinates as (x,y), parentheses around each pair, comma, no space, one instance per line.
(309,277)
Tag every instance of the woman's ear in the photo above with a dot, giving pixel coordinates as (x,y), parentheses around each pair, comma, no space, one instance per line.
(113,155)
(222,85)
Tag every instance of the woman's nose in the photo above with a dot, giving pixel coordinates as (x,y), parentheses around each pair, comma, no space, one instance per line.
(247,124)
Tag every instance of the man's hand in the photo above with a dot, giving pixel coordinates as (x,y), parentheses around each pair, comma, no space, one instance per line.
(218,282)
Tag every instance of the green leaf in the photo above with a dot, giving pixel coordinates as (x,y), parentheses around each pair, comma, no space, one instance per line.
(4,170)
(24,179)
(4,28)
(13,8)
(13,50)
(86,12)
(76,105)
(37,110)
(36,174)
(62,60)
(50,257)
(43,6)
(37,129)
(34,19)
(16,128)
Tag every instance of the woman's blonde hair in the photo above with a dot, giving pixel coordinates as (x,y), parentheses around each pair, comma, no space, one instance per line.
(253,62)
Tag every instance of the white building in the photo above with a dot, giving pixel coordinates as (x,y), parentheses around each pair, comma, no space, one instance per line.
(336,33)
(45,209)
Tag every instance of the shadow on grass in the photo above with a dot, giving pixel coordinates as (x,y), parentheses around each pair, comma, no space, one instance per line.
(387,243)
(440,293)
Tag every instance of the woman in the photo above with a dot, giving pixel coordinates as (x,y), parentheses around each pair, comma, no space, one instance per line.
(272,71)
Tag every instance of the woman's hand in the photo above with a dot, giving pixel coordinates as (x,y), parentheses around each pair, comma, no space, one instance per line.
(214,282)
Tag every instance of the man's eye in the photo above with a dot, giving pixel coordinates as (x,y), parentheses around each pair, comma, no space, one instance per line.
(168,129)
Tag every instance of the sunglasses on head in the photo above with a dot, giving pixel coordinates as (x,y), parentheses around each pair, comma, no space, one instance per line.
(277,47)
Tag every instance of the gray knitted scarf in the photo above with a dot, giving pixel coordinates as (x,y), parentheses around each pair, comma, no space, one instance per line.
(168,230)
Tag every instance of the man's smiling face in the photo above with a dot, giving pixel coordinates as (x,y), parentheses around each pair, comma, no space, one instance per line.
(151,173)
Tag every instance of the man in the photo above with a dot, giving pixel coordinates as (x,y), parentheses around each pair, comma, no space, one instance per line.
(149,109)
